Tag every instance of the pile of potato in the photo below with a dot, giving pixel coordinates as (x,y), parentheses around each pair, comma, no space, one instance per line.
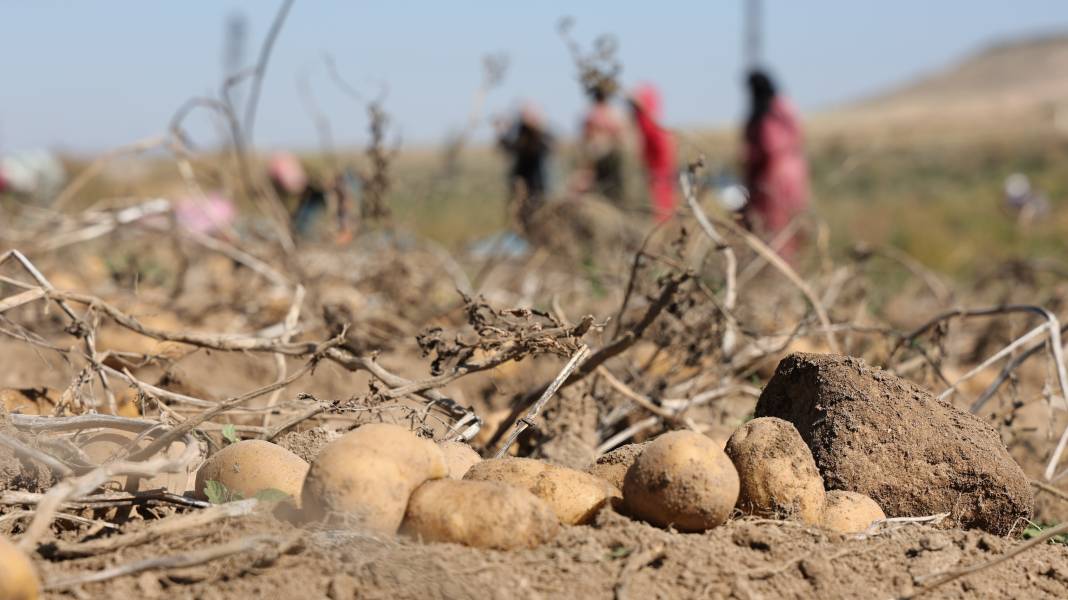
(386,479)
(684,480)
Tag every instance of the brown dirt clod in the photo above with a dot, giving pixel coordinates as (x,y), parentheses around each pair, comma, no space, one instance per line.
(874,433)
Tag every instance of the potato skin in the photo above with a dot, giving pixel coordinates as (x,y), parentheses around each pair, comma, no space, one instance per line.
(574,496)
(250,466)
(18,577)
(520,472)
(777,473)
(612,467)
(459,458)
(420,455)
(483,514)
(849,512)
(357,487)
(365,477)
(682,479)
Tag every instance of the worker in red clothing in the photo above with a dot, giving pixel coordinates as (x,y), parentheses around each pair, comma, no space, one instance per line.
(658,150)
(776,172)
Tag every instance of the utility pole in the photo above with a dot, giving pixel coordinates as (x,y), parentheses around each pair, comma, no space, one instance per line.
(753,52)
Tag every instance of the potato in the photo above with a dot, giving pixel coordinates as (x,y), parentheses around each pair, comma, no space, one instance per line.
(574,496)
(459,457)
(251,466)
(849,512)
(365,477)
(29,401)
(778,475)
(420,454)
(18,577)
(682,479)
(520,472)
(483,514)
(612,467)
(358,487)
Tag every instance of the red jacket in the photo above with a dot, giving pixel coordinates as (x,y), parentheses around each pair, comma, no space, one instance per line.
(658,150)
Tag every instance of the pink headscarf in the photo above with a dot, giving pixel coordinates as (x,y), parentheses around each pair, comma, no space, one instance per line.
(210,214)
(286,173)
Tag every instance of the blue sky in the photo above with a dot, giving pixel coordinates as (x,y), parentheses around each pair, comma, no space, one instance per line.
(93,75)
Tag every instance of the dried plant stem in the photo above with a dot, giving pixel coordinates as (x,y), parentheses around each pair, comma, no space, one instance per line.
(64,549)
(535,408)
(626,434)
(1020,341)
(937,581)
(1055,346)
(627,391)
(191,423)
(261,68)
(1049,489)
(1008,369)
(730,295)
(26,452)
(105,500)
(89,338)
(83,484)
(776,261)
(289,326)
(98,165)
(176,561)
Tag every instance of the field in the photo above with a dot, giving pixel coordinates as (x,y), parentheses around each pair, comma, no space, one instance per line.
(615,409)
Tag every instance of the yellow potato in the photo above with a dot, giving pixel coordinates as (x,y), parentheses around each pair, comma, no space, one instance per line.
(612,467)
(358,487)
(483,514)
(520,472)
(849,512)
(684,480)
(43,401)
(365,477)
(29,401)
(251,466)
(459,457)
(574,496)
(419,454)
(18,577)
(778,475)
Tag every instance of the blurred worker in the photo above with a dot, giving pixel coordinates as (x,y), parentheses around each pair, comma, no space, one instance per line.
(1023,200)
(658,150)
(776,173)
(306,200)
(210,214)
(602,145)
(528,142)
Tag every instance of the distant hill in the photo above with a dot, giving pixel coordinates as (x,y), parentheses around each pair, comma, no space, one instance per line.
(1022,82)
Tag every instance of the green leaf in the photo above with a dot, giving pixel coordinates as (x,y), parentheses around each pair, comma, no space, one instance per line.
(216,492)
(1036,529)
(620,552)
(271,495)
(229,433)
